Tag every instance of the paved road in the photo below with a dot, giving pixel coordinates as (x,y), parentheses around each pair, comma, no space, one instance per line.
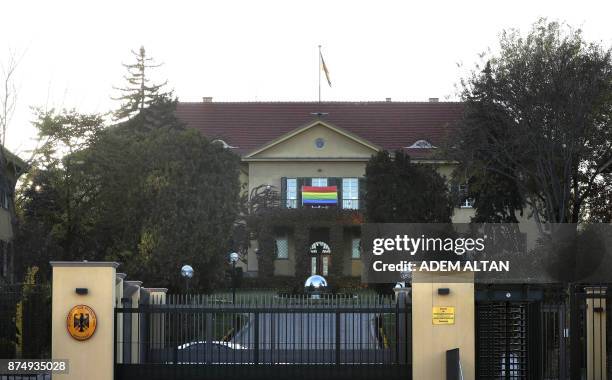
(315,331)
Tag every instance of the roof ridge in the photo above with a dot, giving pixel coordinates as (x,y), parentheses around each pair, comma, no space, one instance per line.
(317,102)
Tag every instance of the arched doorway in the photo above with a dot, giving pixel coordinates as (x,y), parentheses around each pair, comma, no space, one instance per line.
(320,258)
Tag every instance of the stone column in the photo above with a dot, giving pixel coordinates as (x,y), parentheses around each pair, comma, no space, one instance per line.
(156,297)
(119,321)
(443,312)
(91,284)
(402,298)
(131,297)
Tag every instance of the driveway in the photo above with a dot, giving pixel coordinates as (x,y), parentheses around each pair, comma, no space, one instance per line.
(309,331)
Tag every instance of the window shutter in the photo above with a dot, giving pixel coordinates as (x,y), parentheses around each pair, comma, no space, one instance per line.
(299,183)
(338,183)
(361,183)
(283,194)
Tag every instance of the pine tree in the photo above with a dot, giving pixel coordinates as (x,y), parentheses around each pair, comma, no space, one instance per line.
(139,93)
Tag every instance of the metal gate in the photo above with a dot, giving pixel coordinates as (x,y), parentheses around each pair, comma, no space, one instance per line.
(292,337)
(508,334)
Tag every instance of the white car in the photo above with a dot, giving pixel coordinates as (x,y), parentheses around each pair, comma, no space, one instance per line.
(194,345)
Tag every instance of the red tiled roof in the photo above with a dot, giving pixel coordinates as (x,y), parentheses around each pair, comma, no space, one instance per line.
(391,125)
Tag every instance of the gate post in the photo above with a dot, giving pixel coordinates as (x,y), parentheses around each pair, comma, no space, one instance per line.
(596,333)
(91,284)
(443,318)
(403,336)
(156,331)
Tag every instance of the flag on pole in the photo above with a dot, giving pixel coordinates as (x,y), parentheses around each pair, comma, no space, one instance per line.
(324,67)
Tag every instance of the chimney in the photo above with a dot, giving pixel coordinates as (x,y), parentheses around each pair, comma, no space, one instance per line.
(388,100)
(207,99)
(434,100)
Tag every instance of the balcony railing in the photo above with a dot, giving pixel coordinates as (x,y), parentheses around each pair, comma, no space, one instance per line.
(266,197)
(345,204)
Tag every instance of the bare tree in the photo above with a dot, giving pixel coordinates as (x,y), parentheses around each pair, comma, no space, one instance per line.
(8,93)
(8,102)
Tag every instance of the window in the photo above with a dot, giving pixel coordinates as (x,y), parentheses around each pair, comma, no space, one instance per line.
(313,265)
(325,265)
(356,248)
(292,193)
(282,247)
(350,193)
(319,182)
(421,144)
(464,201)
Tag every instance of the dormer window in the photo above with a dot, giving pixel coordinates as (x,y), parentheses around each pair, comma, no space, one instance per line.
(421,144)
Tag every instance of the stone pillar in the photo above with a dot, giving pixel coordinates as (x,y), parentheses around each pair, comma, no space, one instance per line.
(156,297)
(596,333)
(91,284)
(131,297)
(402,298)
(119,321)
(436,328)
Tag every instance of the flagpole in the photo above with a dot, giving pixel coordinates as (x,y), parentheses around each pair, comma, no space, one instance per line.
(319,73)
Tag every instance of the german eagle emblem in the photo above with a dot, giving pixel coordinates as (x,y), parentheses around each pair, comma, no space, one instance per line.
(81,322)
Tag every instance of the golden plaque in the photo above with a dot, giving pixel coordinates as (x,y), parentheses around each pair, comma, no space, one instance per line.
(81,322)
(443,315)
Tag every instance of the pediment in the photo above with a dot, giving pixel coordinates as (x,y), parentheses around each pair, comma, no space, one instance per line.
(318,140)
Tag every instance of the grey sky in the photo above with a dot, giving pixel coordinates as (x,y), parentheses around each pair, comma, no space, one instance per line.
(261,50)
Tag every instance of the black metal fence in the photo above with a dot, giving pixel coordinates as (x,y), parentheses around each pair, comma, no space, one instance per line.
(278,337)
(25,325)
(25,321)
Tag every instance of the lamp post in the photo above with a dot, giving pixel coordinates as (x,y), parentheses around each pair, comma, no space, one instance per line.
(233,258)
(187,273)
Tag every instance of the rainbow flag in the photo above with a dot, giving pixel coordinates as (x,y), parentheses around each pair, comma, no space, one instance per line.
(319,195)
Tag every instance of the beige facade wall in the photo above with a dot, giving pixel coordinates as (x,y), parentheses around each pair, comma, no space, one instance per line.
(430,342)
(91,359)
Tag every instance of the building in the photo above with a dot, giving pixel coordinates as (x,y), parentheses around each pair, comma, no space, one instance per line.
(13,168)
(301,150)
